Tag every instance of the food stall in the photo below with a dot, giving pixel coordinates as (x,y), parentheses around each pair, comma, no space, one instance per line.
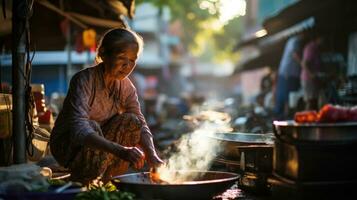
(311,156)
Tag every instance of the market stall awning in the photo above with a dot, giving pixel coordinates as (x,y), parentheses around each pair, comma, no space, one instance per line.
(268,56)
(282,35)
(297,17)
(298,12)
(271,46)
(48,26)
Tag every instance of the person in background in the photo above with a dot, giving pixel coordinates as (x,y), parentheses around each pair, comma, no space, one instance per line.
(311,66)
(288,79)
(177,84)
(267,87)
(266,82)
(177,89)
(101,130)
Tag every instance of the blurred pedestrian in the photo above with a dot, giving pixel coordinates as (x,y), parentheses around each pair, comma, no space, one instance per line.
(288,75)
(311,68)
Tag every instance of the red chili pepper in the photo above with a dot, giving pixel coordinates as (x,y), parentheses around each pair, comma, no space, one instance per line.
(306,117)
(328,114)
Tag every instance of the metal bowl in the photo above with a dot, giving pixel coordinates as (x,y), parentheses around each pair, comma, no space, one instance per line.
(209,184)
(230,141)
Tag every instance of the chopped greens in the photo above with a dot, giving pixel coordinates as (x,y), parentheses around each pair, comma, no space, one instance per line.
(56,182)
(106,192)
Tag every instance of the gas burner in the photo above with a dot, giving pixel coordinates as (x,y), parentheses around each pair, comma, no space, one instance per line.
(254,183)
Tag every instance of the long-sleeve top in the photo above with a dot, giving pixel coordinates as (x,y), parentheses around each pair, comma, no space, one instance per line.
(89,99)
(311,56)
(289,67)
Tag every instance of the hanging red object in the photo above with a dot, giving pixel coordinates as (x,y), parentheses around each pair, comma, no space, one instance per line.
(89,38)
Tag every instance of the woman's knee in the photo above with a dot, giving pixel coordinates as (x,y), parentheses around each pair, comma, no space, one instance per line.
(131,127)
(131,122)
(126,126)
(128,120)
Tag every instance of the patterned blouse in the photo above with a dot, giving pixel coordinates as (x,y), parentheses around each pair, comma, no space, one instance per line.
(89,99)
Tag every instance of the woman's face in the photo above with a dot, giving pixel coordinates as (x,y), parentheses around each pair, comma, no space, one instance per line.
(120,65)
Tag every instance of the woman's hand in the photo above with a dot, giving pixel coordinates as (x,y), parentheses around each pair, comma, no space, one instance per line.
(147,144)
(131,154)
(154,160)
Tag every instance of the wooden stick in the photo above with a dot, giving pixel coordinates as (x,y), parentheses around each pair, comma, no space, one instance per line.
(59,11)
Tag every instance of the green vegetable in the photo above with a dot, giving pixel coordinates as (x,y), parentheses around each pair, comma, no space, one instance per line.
(106,192)
(56,182)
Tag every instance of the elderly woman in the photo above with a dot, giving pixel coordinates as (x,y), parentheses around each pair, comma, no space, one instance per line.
(101,130)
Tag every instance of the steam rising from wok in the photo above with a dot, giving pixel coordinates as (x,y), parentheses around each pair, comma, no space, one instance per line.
(195,151)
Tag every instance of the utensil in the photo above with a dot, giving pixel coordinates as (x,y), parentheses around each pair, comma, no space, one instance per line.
(64,187)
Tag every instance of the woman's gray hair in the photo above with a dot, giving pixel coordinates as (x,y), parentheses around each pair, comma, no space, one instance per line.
(115,40)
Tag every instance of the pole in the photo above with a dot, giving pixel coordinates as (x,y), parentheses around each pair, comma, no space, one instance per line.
(18,80)
(69,54)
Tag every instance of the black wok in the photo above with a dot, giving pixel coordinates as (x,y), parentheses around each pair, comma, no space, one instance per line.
(207,185)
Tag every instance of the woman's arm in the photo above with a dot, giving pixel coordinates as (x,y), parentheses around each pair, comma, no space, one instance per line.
(146,139)
(77,107)
(131,154)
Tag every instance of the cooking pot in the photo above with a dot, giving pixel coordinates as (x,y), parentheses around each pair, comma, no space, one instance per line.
(231,141)
(319,132)
(315,152)
(207,185)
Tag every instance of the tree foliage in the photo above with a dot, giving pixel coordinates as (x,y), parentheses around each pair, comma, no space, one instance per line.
(226,39)
(198,34)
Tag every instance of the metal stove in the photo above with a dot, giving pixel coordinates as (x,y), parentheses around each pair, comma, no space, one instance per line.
(254,166)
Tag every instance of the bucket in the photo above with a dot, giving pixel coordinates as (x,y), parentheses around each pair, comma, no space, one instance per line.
(40,144)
